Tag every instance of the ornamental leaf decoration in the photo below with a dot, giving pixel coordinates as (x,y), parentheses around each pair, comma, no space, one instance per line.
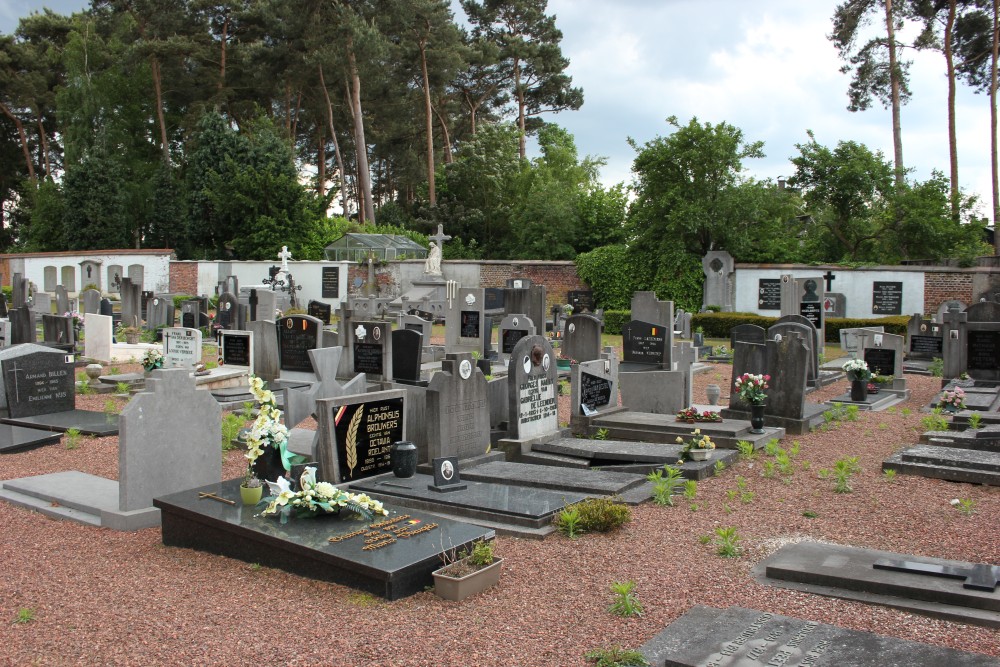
(351,444)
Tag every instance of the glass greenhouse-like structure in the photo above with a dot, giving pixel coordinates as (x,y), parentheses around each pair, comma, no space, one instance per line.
(355,247)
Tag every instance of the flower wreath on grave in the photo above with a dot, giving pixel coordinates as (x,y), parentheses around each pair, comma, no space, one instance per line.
(152,360)
(696,441)
(314,498)
(750,388)
(267,429)
(692,415)
(953,399)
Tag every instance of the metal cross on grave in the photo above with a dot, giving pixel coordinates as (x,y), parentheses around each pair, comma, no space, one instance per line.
(829,278)
(440,237)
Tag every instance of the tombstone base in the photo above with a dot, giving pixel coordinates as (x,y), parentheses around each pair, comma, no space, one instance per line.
(812,416)
(884,399)
(447,488)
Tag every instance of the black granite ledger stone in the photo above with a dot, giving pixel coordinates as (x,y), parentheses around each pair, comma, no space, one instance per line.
(705,636)
(302,546)
(16,438)
(88,422)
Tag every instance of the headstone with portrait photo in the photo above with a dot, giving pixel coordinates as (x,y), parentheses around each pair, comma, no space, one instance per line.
(370,349)
(465,320)
(447,477)
(458,411)
(532,391)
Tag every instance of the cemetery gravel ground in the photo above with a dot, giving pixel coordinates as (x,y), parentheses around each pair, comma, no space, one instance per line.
(100,597)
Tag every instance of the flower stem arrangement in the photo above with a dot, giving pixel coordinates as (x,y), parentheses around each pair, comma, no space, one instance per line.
(267,431)
(750,388)
(952,399)
(315,498)
(857,370)
(152,360)
(692,415)
(696,441)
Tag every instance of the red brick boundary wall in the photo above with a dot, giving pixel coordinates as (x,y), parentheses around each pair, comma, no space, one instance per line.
(184,277)
(941,287)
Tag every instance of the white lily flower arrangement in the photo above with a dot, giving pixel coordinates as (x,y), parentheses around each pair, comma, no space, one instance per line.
(857,369)
(267,430)
(314,498)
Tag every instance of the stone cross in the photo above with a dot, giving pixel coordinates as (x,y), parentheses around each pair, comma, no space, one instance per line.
(440,237)
(829,278)
(284,256)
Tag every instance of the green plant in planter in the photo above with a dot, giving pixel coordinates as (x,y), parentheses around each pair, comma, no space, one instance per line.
(231,425)
(975,420)
(936,367)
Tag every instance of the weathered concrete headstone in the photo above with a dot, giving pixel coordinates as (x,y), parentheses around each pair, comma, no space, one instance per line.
(228,311)
(59,331)
(719,289)
(41,304)
(4,333)
(39,383)
(746,333)
(131,302)
(19,294)
(458,412)
(169,440)
(62,301)
(418,324)
(265,349)
(181,347)
(530,300)
(582,340)
(747,358)
(91,300)
(803,327)
(850,340)
(357,432)
(465,321)
(159,312)
(788,366)
(22,325)
(371,349)
(532,407)
(883,352)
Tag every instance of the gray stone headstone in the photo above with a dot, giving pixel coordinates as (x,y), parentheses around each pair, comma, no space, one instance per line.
(39,382)
(181,347)
(91,300)
(647,308)
(106,307)
(265,349)
(513,328)
(297,334)
(301,403)
(532,405)
(883,352)
(465,321)
(168,440)
(267,305)
(529,299)
(41,304)
(808,332)
(3,305)
(719,288)
(22,325)
(371,349)
(58,330)
(659,392)
(227,311)
(835,305)
(746,333)
(582,340)
(5,333)
(747,358)
(19,295)
(131,302)
(458,412)
(788,364)
(159,312)
(418,324)
(62,301)
(849,340)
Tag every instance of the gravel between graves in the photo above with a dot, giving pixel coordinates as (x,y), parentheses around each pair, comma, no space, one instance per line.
(109,598)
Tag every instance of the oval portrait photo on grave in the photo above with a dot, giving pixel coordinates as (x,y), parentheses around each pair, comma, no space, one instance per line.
(447,470)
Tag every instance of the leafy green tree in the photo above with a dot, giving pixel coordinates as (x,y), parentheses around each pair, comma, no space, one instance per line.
(601,215)
(532,60)
(924,226)
(99,203)
(611,273)
(48,210)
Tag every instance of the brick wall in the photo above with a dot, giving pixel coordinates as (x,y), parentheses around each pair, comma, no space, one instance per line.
(558,277)
(184,277)
(940,287)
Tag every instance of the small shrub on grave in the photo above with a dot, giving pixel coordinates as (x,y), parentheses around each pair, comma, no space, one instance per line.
(624,601)
(615,321)
(598,515)
(616,656)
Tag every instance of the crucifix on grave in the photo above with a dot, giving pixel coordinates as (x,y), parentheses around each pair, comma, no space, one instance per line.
(433,263)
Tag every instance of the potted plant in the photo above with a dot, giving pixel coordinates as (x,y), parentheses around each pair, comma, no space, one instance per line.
(697,447)
(252,489)
(467,574)
(129,333)
(750,388)
(952,400)
(859,374)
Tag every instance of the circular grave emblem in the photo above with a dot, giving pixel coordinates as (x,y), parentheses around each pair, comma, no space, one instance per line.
(361,332)
(447,470)
(777,338)
(546,362)
(923,327)
(470,299)
(226,305)
(571,328)
(465,369)
(526,364)
(377,333)
(156,302)
(715,265)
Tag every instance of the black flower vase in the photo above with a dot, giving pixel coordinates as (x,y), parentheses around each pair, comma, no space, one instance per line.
(268,465)
(403,456)
(859,391)
(756,418)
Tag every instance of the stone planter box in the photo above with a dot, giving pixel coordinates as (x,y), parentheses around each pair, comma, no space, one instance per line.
(459,588)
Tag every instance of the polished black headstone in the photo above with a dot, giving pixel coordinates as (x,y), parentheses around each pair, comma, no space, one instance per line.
(510,338)
(978,577)
(470,324)
(926,345)
(595,392)
(881,360)
(406,350)
(645,343)
(297,334)
(236,349)
(321,311)
(983,350)
(39,383)
(364,433)
(447,477)
(302,545)
(581,300)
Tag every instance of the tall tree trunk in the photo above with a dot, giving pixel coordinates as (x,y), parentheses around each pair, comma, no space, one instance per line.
(429,124)
(897,133)
(336,146)
(995,57)
(952,136)
(43,138)
(365,183)
(222,56)
(298,112)
(519,92)
(445,137)
(158,88)
(24,139)
(321,159)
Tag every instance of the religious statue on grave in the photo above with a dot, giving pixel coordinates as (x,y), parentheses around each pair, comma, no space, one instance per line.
(433,263)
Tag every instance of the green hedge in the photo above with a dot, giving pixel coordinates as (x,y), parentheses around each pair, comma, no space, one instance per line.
(718,325)
(614,320)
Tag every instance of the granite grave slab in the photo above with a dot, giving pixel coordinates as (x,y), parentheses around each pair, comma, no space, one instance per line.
(955,464)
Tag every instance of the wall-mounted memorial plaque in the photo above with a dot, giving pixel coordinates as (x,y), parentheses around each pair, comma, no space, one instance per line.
(887,298)
(769,294)
(331,282)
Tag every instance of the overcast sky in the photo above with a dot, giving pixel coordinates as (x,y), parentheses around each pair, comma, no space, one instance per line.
(765,66)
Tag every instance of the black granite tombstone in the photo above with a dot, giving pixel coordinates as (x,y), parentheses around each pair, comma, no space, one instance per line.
(595,391)
(236,349)
(470,324)
(365,432)
(321,311)
(881,360)
(406,350)
(983,350)
(297,334)
(645,343)
(106,308)
(926,346)
(510,338)
(769,294)
(581,300)
(39,383)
